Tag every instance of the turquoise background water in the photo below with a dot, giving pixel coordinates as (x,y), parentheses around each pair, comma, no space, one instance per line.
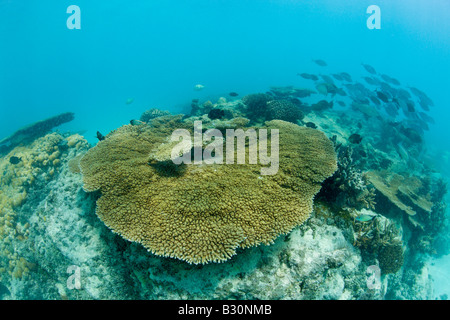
(156,52)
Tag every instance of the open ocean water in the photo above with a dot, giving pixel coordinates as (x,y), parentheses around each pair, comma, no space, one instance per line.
(128,57)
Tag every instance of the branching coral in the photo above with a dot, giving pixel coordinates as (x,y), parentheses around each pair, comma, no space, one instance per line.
(205,213)
(348,187)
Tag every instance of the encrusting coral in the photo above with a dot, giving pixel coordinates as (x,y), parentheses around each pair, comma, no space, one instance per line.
(207,211)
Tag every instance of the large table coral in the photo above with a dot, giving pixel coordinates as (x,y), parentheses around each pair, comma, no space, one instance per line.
(203,213)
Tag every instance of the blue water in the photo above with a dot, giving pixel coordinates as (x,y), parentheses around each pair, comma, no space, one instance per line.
(156,52)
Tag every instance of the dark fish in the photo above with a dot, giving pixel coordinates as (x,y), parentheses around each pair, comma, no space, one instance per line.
(369,68)
(375,100)
(424,125)
(136,122)
(341,103)
(100,137)
(410,106)
(390,80)
(355,138)
(14,160)
(424,105)
(305,75)
(413,134)
(331,88)
(416,92)
(341,92)
(320,62)
(391,109)
(397,102)
(322,105)
(337,77)
(302,93)
(383,97)
(347,77)
(216,114)
(363,101)
(402,93)
(311,125)
(361,87)
(427,100)
(422,96)
(371,81)
(308,76)
(388,89)
(426,117)
(327,79)
(233,94)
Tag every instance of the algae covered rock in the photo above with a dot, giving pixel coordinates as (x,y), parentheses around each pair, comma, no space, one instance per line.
(204,212)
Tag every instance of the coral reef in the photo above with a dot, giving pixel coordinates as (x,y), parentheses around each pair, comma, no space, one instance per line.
(384,207)
(207,212)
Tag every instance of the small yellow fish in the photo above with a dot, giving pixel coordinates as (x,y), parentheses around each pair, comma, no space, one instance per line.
(129,101)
